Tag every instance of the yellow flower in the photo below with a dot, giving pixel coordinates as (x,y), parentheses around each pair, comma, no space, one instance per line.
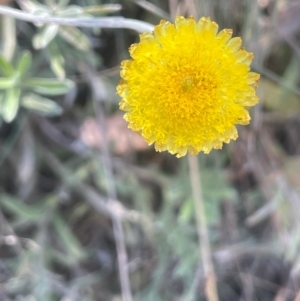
(187,86)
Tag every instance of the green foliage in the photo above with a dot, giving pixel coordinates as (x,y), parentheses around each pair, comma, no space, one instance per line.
(64,181)
(15,86)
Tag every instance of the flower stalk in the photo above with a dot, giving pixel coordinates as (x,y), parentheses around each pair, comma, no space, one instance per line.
(205,251)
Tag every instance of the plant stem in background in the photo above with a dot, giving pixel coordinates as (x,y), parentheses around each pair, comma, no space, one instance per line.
(116,220)
(102,22)
(8,36)
(205,252)
(111,191)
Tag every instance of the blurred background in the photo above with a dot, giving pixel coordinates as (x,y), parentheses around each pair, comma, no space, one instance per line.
(71,170)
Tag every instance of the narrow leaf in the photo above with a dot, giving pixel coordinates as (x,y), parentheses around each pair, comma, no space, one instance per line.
(7,82)
(56,61)
(24,62)
(23,211)
(45,36)
(75,37)
(102,9)
(49,86)
(71,11)
(34,7)
(63,3)
(11,104)
(68,239)
(57,66)
(6,66)
(41,105)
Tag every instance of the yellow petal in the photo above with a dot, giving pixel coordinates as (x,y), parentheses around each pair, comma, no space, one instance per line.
(224,35)
(235,44)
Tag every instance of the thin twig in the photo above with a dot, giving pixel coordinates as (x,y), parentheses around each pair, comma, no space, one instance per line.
(103,22)
(111,192)
(153,9)
(205,252)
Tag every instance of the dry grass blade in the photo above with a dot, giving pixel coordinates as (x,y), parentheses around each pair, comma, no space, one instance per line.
(153,9)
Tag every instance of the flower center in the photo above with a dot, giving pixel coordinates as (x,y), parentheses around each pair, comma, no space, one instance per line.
(187,83)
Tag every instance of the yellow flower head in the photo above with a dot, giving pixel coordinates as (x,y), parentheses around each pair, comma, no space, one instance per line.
(187,86)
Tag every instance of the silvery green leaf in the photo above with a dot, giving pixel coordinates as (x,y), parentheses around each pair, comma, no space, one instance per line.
(45,36)
(68,239)
(102,9)
(75,37)
(21,209)
(8,82)
(49,86)
(24,62)
(10,104)
(41,105)
(56,61)
(57,66)
(63,3)
(71,11)
(6,66)
(33,7)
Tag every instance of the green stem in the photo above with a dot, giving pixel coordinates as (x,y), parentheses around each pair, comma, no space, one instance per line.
(205,251)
